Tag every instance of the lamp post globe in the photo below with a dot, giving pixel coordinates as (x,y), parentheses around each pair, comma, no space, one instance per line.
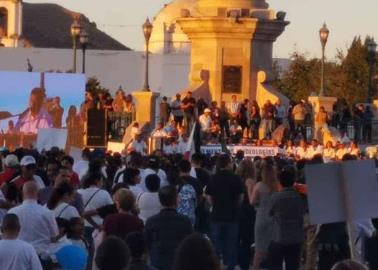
(147,31)
(75,32)
(323,34)
(84,40)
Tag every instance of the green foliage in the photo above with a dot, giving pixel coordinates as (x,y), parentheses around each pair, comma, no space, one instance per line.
(94,86)
(347,77)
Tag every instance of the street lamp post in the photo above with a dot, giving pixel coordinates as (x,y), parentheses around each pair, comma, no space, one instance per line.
(147,30)
(84,39)
(75,32)
(323,33)
(372,50)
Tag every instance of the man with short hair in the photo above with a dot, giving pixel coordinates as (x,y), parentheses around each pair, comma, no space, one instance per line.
(225,193)
(16,254)
(205,121)
(28,169)
(188,105)
(11,169)
(38,225)
(138,144)
(177,112)
(234,108)
(165,110)
(287,209)
(165,231)
(138,250)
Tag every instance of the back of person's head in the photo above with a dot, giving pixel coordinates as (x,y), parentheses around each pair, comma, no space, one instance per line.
(349,265)
(184,166)
(58,193)
(153,162)
(268,175)
(197,159)
(246,169)
(168,196)
(223,162)
(10,224)
(68,159)
(137,244)
(152,183)
(118,186)
(129,176)
(86,154)
(30,191)
(112,254)
(287,176)
(124,199)
(91,179)
(196,252)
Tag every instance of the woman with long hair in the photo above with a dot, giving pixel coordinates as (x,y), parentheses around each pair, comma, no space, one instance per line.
(60,200)
(260,198)
(196,252)
(247,216)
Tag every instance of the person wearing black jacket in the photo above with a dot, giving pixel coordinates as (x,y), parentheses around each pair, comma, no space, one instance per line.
(164,231)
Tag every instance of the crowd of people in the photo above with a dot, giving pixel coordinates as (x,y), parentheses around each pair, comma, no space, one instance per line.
(236,120)
(163,211)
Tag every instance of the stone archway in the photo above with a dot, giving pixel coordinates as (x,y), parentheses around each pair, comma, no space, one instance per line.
(3,22)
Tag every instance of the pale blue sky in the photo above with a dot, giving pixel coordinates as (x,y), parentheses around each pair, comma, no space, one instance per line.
(345,19)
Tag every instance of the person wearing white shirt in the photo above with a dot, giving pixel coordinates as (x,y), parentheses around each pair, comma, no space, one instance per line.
(281,112)
(290,148)
(153,168)
(38,225)
(302,150)
(138,145)
(182,146)
(360,231)
(234,107)
(329,152)
(205,121)
(131,177)
(94,197)
(148,202)
(354,150)
(314,149)
(341,151)
(16,254)
(59,202)
(28,167)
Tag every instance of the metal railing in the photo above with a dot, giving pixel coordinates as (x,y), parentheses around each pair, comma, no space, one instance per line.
(118,123)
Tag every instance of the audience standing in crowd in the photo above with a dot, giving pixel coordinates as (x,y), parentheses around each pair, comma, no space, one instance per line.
(16,254)
(225,194)
(165,231)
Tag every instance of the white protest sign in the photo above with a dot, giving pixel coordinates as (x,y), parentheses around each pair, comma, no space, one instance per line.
(51,137)
(211,149)
(342,191)
(115,147)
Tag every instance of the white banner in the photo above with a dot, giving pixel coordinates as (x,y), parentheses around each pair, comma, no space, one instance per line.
(249,150)
(51,137)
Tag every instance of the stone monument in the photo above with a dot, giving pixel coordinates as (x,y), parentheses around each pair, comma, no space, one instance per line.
(231,48)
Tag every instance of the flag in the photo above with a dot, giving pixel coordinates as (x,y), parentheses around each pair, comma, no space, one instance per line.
(190,148)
